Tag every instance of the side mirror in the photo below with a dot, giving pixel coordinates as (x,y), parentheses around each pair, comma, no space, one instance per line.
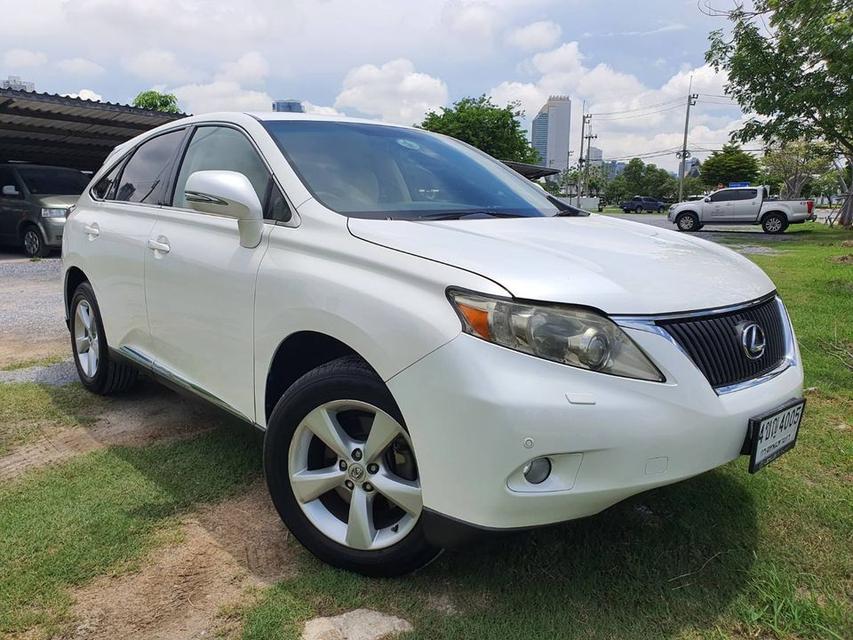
(229,194)
(11,191)
(708,199)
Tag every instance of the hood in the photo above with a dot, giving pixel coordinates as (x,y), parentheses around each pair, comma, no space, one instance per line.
(55,202)
(614,265)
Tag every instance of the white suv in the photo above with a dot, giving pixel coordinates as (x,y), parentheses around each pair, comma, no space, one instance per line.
(432,344)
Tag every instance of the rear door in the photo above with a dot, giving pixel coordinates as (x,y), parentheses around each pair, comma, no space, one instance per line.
(110,232)
(200,282)
(745,205)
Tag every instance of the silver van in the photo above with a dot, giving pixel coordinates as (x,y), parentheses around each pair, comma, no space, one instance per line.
(34,200)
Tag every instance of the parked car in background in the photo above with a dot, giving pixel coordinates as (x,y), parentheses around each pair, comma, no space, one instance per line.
(392,308)
(639,204)
(34,202)
(741,205)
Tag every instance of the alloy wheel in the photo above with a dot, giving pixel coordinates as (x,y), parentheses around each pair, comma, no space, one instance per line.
(773,225)
(352,470)
(32,242)
(86,338)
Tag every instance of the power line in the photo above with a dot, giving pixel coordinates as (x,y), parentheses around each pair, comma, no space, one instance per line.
(650,106)
(639,115)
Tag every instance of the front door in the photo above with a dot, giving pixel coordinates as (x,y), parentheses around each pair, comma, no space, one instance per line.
(200,283)
(13,207)
(719,206)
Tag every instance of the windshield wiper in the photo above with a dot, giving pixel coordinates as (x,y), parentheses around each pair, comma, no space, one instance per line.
(467,213)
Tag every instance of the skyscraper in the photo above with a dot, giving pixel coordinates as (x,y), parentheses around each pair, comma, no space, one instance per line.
(551,130)
(290,105)
(595,156)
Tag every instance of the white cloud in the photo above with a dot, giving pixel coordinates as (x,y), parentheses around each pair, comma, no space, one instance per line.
(15,59)
(85,94)
(320,110)
(250,69)
(652,128)
(477,20)
(395,92)
(158,65)
(221,95)
(535,36)
(80,67)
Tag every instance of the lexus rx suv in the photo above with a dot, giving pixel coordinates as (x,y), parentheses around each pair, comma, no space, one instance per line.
(432,344)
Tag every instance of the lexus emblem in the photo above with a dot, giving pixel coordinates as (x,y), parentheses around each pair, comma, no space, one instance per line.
(752,340)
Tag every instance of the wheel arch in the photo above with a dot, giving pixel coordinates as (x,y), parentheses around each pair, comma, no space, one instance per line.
(74,277)
(777,211)
(296,355)
(685,211)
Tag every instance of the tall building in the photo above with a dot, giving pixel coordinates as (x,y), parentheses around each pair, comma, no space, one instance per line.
(614,168)
(290,105)
(595,156)
(15,82)
(550,132)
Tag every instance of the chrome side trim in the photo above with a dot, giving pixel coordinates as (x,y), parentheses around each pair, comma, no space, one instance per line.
(649,325)
(171,378)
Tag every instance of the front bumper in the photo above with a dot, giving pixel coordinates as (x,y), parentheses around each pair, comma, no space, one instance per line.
(477,413)
(53,228)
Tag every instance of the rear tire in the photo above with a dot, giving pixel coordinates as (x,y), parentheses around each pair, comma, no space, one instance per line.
(688,222)
(386,540)
(774,223)
(638,210)
(33,242)
(97,370)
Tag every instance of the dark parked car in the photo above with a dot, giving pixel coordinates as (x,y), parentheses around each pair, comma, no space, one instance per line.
(638,204)
(34,201)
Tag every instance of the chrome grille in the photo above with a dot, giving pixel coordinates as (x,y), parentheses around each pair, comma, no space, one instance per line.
(713,341)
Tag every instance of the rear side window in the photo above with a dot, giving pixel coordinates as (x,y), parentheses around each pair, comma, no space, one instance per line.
(226,149)
(745,194)
(146,173)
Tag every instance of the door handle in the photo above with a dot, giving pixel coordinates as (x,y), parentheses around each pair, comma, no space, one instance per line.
(92,230)
(160,245)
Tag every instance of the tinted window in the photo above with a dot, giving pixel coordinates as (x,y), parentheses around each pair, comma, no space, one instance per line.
(104,189)
(226,149)
(145,174)
(54,181)
(745,194)
(377,171)
(722,196)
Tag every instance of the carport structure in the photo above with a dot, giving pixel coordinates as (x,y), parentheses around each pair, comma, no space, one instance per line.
(50,129)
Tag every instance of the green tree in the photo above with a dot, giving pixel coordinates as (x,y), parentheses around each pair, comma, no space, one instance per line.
(793,164)
(641,179)
(481,123)
(732,164)
(156,101)
(789,67)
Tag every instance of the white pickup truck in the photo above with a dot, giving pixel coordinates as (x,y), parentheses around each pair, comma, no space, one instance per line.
(741,205)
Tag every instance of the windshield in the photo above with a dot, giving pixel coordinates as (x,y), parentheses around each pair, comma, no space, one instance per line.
(54,181)
(376,171)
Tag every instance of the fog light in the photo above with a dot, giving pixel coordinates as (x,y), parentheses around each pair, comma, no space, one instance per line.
(537,471)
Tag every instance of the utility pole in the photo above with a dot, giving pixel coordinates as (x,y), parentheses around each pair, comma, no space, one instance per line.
(589,139)
(566,172)
(584,119)
(684,153)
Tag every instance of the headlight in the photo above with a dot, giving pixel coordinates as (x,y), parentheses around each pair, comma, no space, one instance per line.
(53,213)
(572,336)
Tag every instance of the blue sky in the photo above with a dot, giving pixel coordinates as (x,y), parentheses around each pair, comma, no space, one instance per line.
(382,59)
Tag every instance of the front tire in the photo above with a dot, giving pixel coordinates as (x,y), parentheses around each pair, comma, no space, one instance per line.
(774,223)
(97,370)
(638,210)
(341,471)
(33,242)
(688,222)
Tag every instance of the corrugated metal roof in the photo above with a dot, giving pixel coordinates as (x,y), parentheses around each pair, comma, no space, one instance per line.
(52,129)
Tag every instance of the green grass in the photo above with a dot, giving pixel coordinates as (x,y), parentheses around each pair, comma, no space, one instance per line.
(102,512)
(726,554)
(26,408)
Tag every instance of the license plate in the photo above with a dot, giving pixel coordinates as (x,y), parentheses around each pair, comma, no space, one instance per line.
(774,433)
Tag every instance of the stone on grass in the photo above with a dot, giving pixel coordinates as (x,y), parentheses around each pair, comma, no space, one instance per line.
(361,624)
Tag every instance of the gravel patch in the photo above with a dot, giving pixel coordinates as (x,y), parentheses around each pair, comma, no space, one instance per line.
(54,375)
(752,249)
